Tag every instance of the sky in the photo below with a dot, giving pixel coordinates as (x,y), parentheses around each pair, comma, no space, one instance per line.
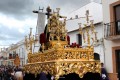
(16,16)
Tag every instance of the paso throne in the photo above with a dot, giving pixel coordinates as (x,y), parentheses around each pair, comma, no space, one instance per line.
(56,57)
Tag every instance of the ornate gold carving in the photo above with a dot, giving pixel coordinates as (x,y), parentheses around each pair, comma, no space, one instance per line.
(64,67)
(80,28)
(56,27)
(92,29)
(63,53)
(60,59)
(29,41)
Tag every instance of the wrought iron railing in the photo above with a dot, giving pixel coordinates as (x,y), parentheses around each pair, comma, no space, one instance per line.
(111,29)
(5,58)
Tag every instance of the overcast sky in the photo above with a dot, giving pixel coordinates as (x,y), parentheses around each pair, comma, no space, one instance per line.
(16,16)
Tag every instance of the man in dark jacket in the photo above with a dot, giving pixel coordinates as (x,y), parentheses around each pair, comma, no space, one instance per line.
(43,76)
(104,75)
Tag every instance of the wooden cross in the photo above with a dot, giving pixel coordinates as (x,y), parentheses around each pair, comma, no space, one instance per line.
(87,16)
(41,9)
(58,10)
(48,12)
(95,36)
(80,28)
(30,31)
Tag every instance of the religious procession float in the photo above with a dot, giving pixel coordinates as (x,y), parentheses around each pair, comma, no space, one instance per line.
(56,56)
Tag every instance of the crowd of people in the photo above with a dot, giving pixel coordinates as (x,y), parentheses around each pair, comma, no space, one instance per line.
(17,73)
(11,73)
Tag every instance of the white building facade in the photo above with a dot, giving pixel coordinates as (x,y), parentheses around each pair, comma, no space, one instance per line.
(111,18)
(4,56)
(78,16)
(17,49)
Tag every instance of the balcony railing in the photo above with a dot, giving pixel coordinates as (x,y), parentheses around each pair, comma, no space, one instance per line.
(3,58)
(112,30)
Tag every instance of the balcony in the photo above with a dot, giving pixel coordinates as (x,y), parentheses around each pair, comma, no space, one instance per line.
(112,31)
(3,58)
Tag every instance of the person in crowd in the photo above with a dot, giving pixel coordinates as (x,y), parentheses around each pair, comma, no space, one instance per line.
(104,75)
(43,76)
(10,74)
(18,73)
(0,73)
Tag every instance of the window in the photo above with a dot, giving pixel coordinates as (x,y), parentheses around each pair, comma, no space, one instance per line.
(79,37)
(76,16)
(117,53)
(117,18)
(10,56)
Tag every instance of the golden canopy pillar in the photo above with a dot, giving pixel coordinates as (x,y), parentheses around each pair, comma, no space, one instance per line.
(61,59)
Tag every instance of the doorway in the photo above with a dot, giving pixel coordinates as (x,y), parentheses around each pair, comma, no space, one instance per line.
(117,52)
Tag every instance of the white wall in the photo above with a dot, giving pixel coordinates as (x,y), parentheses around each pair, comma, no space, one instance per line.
(108,53)
(72,24)
(95,11)
(106,10)
(73,37)
(108,44)
(100,48)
